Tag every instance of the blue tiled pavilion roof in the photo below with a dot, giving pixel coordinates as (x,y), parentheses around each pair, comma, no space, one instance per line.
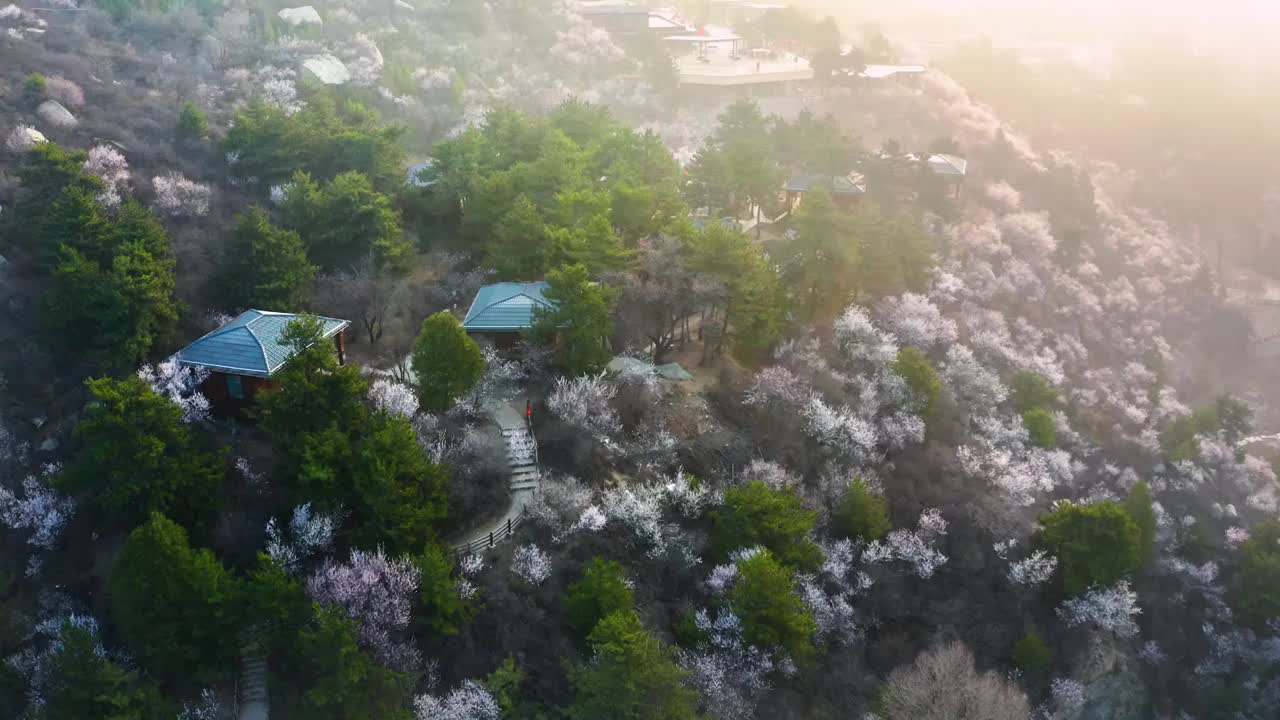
(506,307)
(250,344)
(837,185)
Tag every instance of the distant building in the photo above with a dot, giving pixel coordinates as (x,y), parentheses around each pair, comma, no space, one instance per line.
(712,68)
(616,16)
(419,175)
(880,72)
(950,168)
(244,354)
(503,311)
(732,11)
(947,165)
(846,190)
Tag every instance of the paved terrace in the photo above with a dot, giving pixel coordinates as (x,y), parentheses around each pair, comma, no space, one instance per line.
(723,71)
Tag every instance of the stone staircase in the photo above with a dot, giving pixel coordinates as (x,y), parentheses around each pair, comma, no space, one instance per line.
(522,456)
(254,703)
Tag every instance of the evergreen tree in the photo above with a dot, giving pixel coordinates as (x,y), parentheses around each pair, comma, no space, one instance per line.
(1096,544)
(602,591)
(1040,428)
(46,171)
(861,514)
(823,257)
(339,455)
(756,514)
(192,125)
(325,139)
(328,675)
(116,301)
(397,496)
(631,677)
(1138,506)
(264,266)
(1031,655)
(447,363)
(312,392)
(773,616)
(137,457)
(443,610)
(1259,590)
(581,320)
(922,378)
(518,249)
(344,220)
(172,604)
(1030,390)
(274,603)
(82,683)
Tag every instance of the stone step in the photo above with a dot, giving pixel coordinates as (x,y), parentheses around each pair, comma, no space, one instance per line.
(525,479)
(527,485)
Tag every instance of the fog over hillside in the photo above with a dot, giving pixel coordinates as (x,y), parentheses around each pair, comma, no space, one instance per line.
(527,359)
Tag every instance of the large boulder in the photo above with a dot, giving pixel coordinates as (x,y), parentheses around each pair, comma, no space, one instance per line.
(52,112)
(211,51)
(299,16)
(327,69)
(23,138)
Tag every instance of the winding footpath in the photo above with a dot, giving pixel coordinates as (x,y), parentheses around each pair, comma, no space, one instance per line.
(522,460)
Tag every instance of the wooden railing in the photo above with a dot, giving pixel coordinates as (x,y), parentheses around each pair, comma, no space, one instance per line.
(493,538)
(509,527)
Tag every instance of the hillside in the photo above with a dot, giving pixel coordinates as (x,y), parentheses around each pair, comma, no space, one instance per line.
(531,427)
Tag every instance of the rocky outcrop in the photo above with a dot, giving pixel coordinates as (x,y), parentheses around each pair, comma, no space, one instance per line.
(52,112)
(211,51)
(23,138)
(327,69)
(299,16)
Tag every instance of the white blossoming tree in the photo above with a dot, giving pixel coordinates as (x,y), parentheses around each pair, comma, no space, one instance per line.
(531,564)
(1111,608)
(178,197)
(377,592)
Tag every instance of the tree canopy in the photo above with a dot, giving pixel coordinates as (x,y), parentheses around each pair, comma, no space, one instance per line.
(137,457)
(1096,544)
(111,296)
(324,139)
(1259,594)
(574,187)
(1138,506)
(332,677)
(265,266)
(922,378)
(861,513)
(581,320)
(822,260)
(340,455)
(344,220)
(632,677)
(447,363)
(83,683)
(756,514)
(172,603)
(600,592)
(773,616)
